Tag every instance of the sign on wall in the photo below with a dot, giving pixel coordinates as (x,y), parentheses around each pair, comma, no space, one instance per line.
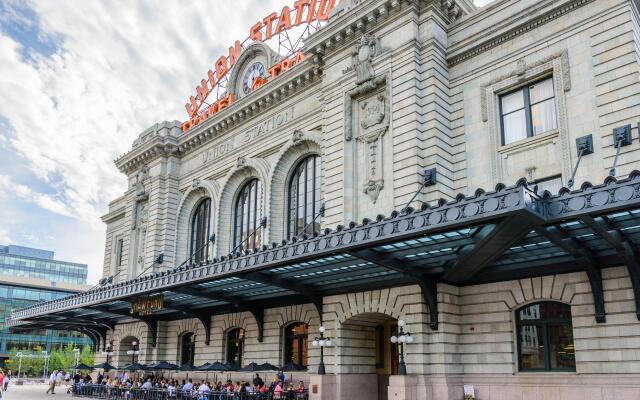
(143,306)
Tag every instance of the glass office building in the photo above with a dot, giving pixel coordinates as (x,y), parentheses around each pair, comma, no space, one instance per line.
(29,276)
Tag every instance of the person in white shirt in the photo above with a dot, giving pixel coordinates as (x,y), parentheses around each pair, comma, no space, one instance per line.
(204,388)
(52,382)
(59,378)
(188,387)
(147,385)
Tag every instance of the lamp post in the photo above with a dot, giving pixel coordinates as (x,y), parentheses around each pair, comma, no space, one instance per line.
(46,364)
(108,351)
(135,350)
(19,355)
(76,359)
(321,341)
(402,338)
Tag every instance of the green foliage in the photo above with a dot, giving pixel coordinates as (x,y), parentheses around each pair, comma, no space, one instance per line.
(61,359)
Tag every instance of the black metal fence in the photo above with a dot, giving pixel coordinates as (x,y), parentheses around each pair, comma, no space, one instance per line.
(113,393)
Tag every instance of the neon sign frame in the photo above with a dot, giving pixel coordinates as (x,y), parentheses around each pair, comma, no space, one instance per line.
(213,94)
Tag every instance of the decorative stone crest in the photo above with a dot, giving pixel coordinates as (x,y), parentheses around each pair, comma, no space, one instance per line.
(374,122)
(196,183)
(141,176)
(241,162)
(373,189)
(362,58)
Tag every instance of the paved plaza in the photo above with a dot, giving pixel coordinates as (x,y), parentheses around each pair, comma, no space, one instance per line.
(34,392)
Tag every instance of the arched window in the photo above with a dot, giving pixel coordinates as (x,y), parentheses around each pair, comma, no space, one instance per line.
(545,337)
(295,344)
(303,198)
(247,217)
(200,245)
(187,349)
(235,346)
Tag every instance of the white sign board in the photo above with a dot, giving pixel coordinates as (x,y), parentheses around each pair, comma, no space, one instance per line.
(469,392)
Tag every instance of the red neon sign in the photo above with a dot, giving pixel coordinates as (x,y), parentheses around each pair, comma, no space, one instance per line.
(304,13)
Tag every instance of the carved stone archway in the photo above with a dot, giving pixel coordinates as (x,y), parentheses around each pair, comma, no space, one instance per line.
(245,169)
(301,144)
(198,191)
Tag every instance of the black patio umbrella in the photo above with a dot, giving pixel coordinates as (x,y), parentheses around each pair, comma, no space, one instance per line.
(268,367)
(104,366)
(164,366)
(187,367)
(216,366)
(231,366)
(292,367)
(251,367)
(133,367)
(82,367)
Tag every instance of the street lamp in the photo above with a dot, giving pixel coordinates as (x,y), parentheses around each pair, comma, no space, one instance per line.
(322,342)
(46,364)
(135,350)
(108,351)
(402,338)
(19,355)
(76,356)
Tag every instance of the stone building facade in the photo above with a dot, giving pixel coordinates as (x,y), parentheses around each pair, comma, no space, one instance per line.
(390,89)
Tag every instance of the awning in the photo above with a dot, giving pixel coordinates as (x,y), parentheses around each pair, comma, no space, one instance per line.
(509,233)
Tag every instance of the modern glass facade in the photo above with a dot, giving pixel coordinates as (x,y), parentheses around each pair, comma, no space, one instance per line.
(31,265)
(19,261)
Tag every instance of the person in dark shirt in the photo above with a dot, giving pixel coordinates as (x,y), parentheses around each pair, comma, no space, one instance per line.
(257,381)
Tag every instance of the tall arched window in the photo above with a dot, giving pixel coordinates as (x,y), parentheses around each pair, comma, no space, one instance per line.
(235,346)
(247,217)
(187,348)
(545,337)
(200,245)
(303,198)
(295,344)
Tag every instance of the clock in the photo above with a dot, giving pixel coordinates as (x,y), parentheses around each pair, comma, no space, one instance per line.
(255,70)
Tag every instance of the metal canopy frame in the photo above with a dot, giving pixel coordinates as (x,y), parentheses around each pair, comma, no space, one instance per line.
(509,233)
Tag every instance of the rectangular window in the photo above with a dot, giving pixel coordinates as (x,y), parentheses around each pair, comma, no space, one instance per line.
(528,111)
(119,245)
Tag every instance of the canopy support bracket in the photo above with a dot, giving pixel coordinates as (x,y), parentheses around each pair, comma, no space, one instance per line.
(582,256)
(258,314)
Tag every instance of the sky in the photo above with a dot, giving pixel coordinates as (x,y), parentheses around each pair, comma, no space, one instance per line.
(79,80)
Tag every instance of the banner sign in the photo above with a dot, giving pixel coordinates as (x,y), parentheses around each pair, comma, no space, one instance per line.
(143,306)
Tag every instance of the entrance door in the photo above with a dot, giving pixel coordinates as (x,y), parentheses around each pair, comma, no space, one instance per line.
(386,356)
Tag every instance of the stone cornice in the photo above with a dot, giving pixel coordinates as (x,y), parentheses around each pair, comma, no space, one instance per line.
(113,215)
(266,97)
(458,56)
(147,152)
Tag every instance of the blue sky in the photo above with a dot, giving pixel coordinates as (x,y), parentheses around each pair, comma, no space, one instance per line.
(79,80)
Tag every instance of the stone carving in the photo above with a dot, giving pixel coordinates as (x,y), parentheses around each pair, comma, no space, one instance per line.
(241,162)
(141,194)
(373,189)
(196,183)
(297,136)
(374,122)
(363,56)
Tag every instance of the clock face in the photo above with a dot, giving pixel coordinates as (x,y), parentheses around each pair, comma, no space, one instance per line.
(255,70)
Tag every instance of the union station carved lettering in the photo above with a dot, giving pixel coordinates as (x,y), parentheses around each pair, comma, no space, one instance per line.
(255,132)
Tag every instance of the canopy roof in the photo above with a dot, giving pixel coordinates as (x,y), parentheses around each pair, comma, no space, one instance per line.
(509,233)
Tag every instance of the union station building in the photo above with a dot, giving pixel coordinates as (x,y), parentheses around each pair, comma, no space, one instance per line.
(425,169)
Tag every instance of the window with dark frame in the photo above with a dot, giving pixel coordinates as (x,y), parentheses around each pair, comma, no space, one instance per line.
(235,346)
(303,198)
(380,347)
(188,347)
(247,216)
(199,249)
(545,337)
(119,245)
(296,337)
(528,111)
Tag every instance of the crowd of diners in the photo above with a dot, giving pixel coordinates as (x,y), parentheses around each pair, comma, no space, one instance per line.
(157,387)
